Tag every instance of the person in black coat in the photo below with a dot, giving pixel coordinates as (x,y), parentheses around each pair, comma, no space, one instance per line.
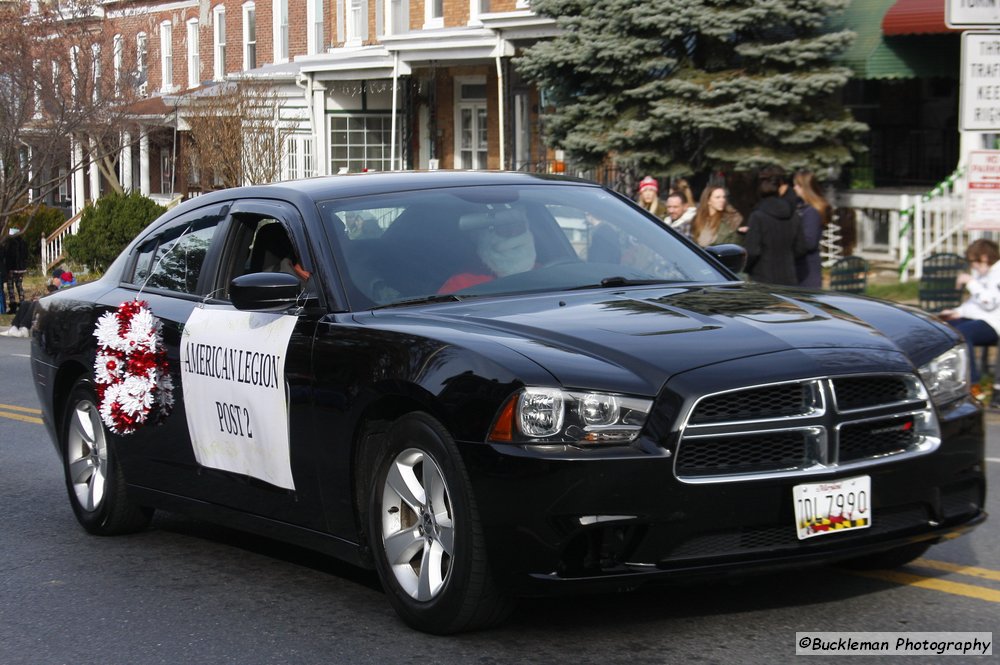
(3,278)
(774,236)
(15,252)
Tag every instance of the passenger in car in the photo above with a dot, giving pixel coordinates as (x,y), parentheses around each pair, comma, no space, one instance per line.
(504,245)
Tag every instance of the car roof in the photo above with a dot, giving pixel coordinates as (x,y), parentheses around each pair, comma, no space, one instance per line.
(363,184)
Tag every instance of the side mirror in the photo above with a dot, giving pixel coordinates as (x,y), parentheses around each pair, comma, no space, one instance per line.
(733,257)
(264,291)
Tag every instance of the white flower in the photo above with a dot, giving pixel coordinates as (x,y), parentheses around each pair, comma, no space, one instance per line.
(107,332)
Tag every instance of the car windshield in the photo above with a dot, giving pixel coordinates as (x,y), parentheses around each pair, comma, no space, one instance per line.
(452,243)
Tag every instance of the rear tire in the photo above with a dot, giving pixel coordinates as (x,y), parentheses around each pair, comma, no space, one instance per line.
(425,533)
(94,479)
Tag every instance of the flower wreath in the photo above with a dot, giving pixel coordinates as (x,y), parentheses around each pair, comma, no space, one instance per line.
(133,384)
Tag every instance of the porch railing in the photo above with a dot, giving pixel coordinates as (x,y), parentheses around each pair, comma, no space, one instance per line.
(903,228)
(52,244)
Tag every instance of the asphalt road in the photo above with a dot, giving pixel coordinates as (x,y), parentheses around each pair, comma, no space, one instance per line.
(189,592)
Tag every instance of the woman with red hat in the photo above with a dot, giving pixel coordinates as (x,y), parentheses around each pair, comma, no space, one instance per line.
(649,198)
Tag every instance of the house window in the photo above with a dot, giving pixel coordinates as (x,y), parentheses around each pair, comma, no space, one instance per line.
(308,165)
(476,9)
(63,185)
(292,160)
(249,36)
(194,54)
(399,20)
(141,61)
(167,56)
(299,158)
(74,72)
(95,72)
(37,101)
(166,171)
(56,76)
(357,20)
(361,143)
(280,13)
(117,62)
(433,14)
(314,18)
(219,14)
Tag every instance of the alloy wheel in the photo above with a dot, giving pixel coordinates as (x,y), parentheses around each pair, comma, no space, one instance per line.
(87,456)
(417,524)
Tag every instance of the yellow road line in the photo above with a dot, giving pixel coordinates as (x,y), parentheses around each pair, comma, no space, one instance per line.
(23,418)
(934,584)
(11,407)
(971,571)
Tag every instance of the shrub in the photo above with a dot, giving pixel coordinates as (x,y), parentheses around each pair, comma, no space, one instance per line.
(107,227)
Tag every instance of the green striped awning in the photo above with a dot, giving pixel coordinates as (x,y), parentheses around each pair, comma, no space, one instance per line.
(873,55)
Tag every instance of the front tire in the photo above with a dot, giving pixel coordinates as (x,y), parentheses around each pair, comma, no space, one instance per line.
(94,479)
(425,532)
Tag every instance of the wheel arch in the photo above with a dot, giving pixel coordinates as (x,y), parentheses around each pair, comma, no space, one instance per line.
(369,439)
(65,379)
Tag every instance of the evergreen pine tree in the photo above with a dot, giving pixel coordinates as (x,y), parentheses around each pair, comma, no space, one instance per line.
(681,86)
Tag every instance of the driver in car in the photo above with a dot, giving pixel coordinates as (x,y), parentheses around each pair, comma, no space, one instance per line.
(504,245)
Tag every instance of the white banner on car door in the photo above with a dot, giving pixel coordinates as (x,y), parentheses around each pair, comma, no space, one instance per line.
(233,374)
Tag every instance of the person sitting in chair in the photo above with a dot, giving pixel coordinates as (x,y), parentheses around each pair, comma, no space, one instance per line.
(978,318)
(504,245)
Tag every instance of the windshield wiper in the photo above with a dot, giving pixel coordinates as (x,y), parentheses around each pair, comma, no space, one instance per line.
(618,280)
(424,300)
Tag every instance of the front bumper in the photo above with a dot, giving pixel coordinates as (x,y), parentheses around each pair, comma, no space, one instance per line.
(556,521)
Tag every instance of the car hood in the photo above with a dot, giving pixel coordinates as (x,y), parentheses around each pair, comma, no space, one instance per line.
(633,340)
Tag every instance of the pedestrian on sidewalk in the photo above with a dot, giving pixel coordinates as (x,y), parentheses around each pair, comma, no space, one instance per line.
(15,252)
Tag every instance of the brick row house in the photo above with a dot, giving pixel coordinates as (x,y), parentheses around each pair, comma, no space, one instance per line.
(361,85)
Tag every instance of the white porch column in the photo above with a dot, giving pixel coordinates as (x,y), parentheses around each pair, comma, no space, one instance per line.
(144,162)
(93,171)
(321,141)
(78,194)
(392,132)
(126,161)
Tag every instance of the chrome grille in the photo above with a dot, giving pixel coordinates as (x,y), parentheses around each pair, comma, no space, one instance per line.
(805,427)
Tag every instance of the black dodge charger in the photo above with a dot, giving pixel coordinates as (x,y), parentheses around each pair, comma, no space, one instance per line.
(491,385)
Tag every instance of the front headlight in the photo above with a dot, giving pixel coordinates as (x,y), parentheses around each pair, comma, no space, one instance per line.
(947,376)
(551,415)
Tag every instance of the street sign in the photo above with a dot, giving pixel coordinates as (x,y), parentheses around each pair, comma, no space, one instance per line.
(972,13)
(979,100)
(982,198)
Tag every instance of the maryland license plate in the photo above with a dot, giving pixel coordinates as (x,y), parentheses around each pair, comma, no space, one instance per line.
(833,507)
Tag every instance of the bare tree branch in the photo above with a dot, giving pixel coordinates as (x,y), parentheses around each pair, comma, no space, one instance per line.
(62,77)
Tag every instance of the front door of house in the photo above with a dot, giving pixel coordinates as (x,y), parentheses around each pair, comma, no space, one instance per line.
(470,122)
